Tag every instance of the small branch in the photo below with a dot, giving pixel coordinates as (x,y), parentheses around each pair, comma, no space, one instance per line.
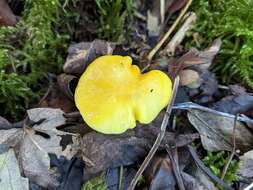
(168,33)
(191,105)
(158,139)
(162,10)
(179,36)
(121,170)
(233,151)
(249,187)
(175,167)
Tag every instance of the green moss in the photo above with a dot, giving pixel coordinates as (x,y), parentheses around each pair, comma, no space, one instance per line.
(27,52)
(113,17)
(232,21)
(217,161)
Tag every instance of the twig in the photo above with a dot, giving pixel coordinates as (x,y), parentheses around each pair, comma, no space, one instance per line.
(176,170)
(191,105)
(162,10)
(179,36)
(224,171)
(158,139)
(121,170)
(168,33)
(249,187)
(206,170)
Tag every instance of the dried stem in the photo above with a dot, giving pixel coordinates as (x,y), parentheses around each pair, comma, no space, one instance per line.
(179,36)
(175,166)
(191,105)
(233,150)
(168,33)
(158,139)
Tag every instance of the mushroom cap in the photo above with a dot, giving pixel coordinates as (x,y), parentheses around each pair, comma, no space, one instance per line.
(112,94)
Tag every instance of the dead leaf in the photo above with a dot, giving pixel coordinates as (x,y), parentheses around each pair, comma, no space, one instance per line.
(216,132)
(207,90)
(34,148)
(209,54)
(57,99)
(159,173)
(7,18)
(192,183)
(102,151)
(199,60)
(188,77)
(82,54)
(10,177)
(4,123)
(203,179)
(71,172)
(234,104)
(246,165)
(11,137)
(67,84)
(176,5)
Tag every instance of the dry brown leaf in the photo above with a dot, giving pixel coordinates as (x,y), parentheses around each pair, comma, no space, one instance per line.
(82,54)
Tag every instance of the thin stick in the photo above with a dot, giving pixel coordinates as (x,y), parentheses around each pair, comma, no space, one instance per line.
(158,139)
(121,170)
(179,36)
(162,10)
(168,33)
(176,170)
(191,105)
(249,187)
(224,171)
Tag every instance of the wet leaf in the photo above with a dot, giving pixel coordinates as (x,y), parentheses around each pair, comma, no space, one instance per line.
(71,171)
(41,140)
(160,174)
(102,151)
(7,18)
(203,179)
(246,165)
(11,137)
(207,90)
(10,177)
(234,104)
(216,132)
(188,77)
(67,84)
(83,53)
(4,123)
(57,99)
(192,183)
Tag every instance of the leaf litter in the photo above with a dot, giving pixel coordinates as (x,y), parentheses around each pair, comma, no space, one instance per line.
(41,151)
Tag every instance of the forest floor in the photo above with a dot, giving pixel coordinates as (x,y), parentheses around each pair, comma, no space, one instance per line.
(202,140)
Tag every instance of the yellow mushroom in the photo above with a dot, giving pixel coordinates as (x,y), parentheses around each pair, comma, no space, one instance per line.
(112,94)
